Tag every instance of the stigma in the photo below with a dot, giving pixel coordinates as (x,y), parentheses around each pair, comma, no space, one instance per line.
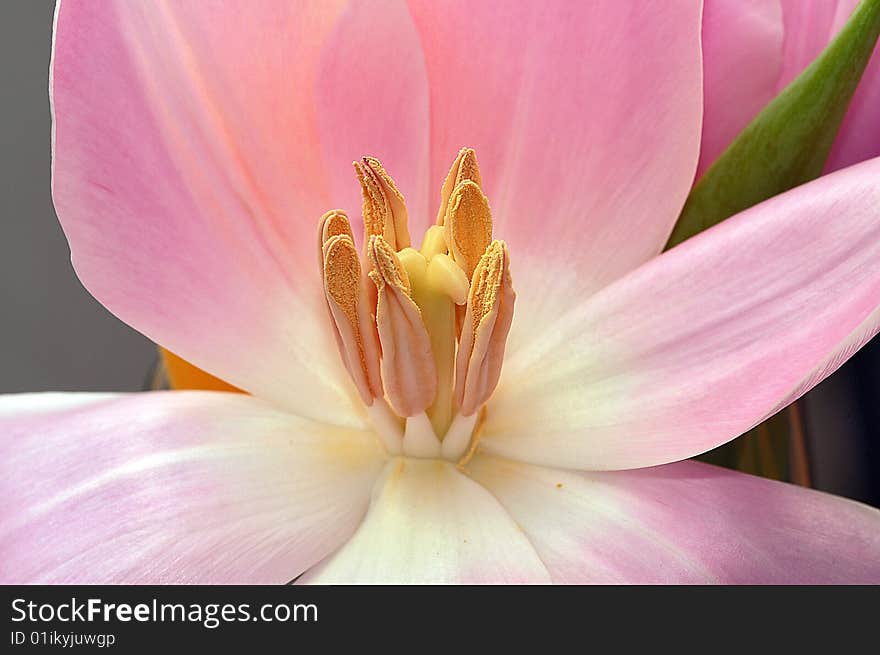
(421,332)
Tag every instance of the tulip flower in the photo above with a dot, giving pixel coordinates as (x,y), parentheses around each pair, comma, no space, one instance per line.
(752,49)
(494,375)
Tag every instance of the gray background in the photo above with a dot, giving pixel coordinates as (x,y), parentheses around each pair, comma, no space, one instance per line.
(55,336)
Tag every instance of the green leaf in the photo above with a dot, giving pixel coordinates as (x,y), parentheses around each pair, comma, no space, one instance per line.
(788,143)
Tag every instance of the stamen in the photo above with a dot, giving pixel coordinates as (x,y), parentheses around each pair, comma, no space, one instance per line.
(457,439)
(387,425)
(486,326)
(475,441)
(333,223)
(468,225)
(419,439)
(432,327)
(463,168)
(407,365)
(384,209)
(346,298)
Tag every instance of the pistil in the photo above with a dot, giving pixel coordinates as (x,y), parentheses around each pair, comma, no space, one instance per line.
(438,285)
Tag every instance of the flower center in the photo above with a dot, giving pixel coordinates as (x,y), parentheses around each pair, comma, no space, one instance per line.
(422,331)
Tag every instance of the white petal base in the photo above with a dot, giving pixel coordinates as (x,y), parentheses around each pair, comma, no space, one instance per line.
(429,524)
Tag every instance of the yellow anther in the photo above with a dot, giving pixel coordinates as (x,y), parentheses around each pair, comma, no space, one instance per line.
(487,282)
(374,208)
(463,168)
(395,200)
(386,266)
(468,226)
(347,302)
(486,326)
(407,363)
(333,223)
(342,270)
(384,209)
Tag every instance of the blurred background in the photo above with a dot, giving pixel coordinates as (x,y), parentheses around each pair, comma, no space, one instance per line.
(55,336)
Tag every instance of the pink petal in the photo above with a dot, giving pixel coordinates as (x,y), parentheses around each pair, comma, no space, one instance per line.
(429,524)
(808,29)
(372,95)
(585,117)
(705,341)
(183,487)
(187,177)
(859,136)
(742,62)
(809,26)
(752,50)
(685,523)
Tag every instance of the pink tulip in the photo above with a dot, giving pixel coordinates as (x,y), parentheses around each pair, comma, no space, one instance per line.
(752,49)
(195,150)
